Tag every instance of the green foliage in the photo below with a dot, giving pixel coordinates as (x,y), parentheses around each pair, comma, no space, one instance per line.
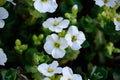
(8,74)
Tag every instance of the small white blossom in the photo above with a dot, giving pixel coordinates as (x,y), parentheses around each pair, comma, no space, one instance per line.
(49,69)
(56,24)
(55,46)
(68,74)
(3,15)
(44,6)
(11,1)
(117,23)
(3,57)
(109,3)
(75,38)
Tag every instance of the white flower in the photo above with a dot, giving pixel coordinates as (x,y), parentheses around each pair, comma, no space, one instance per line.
(44,6)
(117,23)
(109,3)
(75,38)
(3,58)
(55,46)
(11,1)
(49,69)
(68,74)
(56,24)
(3,15)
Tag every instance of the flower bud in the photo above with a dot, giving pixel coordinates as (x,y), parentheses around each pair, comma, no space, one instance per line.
(75,9)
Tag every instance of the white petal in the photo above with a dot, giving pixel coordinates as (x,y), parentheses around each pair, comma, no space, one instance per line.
(77,77)
(2,23)
(59,19)
(58,53)
(48,23)
(55,37)
(117,28)
(64,23)
(68,38)
(3,13)
(66,71)
(49,46)
(99,2)
(3,57)
(64,78)
(58,70)
(73,30)
(63,43)
(54,64)
(53,6)
(76,46)
(40,6)
(111,3)
(11,2)
(81,37)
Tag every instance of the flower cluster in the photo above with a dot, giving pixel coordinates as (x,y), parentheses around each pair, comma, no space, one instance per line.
(3,15)
(49,70)
(111,4)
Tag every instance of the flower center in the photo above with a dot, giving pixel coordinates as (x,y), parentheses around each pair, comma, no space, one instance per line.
(118,19)
(44,0)
(105,1)
(50,70)
(74,38)
(57,44)
(55,23)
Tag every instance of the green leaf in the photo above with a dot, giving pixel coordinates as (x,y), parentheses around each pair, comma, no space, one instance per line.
(9,74)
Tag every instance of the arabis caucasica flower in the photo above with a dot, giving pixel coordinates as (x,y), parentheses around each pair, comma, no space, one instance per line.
(44,6)
(56,24)
(75,38)
(55,46)
(3,57)
(49,69)
(3,15)
(109,3)
(117,23)
(68,74)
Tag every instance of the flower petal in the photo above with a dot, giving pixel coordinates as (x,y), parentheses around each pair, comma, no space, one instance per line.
(58,53)
(54,64)
(73,30)
(63,43)
(2,23)
(76,45)
(77,77)
(3,13)
(3,57)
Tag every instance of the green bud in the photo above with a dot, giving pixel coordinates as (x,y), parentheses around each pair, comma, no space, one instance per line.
(68,15)
(2,2)
(24,47)
(17,42)
(34,37)
(75,9)
(116,50)
(41,36)
(62,34)
(74,21)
